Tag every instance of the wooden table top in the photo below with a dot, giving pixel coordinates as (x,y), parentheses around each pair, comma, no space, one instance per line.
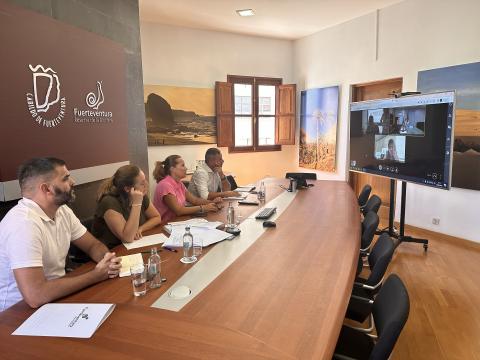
(285,297)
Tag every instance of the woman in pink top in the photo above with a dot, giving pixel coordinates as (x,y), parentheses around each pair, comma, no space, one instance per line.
(170,193)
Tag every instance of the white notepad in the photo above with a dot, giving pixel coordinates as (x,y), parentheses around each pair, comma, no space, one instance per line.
(65,320)
(146,241)
(129,261)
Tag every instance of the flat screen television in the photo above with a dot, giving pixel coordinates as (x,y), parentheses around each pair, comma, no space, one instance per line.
(407,138)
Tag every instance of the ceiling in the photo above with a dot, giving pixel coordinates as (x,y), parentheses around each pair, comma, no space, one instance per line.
(284,19)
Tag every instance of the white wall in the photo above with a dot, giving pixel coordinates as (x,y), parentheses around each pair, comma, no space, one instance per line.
(413,35)
(197,58)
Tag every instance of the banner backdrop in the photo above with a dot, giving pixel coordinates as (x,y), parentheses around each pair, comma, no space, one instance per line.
(62,94)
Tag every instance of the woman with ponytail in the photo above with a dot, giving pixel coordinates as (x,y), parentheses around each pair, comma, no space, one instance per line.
(171,195)
(124,210)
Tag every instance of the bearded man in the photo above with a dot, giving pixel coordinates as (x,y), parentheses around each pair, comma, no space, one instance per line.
(35,237)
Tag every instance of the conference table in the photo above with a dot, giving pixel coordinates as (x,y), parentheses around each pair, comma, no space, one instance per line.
(283,297)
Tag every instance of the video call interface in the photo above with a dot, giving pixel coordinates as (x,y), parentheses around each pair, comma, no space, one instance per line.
(408,138)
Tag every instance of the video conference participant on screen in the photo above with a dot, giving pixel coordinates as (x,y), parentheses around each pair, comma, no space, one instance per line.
(209,181)
(392,151)
(170,193)
(35,236)
(124,210)
(390,148)
(372,128)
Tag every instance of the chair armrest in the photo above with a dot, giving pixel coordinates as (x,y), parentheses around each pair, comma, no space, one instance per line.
(364,286)
(368,301)
(342,357)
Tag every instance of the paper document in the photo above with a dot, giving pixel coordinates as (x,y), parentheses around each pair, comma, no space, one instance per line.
(65,320)
(146,241)
(208,236)
(128,261)
(192,223)
(240,197)
(246,188)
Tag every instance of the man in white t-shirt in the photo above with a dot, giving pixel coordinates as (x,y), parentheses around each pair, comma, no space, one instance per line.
(209,181)
(35,237)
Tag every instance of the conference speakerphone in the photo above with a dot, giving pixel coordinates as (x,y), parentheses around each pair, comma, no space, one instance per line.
(266,213)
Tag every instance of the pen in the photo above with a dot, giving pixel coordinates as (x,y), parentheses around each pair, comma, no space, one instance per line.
(148,252)
(170,249)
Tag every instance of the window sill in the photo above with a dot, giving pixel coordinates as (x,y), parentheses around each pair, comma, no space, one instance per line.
(246,149)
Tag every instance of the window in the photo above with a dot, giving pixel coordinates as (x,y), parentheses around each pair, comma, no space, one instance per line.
(249,116)
(254,113)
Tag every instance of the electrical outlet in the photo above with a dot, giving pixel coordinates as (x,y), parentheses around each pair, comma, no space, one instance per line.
(436,221)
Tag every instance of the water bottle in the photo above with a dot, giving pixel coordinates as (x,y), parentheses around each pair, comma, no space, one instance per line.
(230,216)
(154,269)
(188,256)
(261,195)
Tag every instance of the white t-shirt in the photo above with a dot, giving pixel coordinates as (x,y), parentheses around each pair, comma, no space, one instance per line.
(29,238)
(204,180)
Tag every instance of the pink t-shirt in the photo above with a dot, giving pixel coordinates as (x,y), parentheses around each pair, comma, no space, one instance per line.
(168,185)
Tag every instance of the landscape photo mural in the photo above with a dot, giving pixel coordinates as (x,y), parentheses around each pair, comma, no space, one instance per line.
(465,80)
(318,128)
(180,115)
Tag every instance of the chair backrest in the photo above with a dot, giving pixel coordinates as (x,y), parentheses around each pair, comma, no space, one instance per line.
(373,204)
(379,258)
(75,254)
(88,222)
(233,183)
(369,225)
(390,313)
(364,195)
(306,176)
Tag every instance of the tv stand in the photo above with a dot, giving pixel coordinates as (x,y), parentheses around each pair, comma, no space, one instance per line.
(400,236)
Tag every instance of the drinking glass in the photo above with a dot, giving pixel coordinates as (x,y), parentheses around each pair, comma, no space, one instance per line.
(139,279)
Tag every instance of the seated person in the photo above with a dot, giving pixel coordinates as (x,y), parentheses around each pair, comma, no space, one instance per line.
(372,128)
(35,236)
(208,181)
(124,210)
(171,194)
(392,151)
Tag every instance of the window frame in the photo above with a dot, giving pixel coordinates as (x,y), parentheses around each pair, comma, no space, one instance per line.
(255,81)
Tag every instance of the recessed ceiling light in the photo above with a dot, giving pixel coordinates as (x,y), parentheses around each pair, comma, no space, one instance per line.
(245,12)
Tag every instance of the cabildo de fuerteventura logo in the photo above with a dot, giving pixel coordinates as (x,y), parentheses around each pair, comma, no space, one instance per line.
(93,115)
(46,95)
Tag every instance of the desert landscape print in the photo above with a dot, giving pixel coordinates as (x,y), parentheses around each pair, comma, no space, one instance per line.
(318,128)
(465,80)
(179,115)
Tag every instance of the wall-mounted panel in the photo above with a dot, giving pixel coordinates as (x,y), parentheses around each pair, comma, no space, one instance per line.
(62,94)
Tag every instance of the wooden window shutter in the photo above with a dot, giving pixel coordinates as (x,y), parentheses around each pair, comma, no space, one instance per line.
(285,119)
(225,113)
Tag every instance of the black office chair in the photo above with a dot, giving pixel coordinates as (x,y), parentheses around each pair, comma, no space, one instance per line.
(364,195)
(390,313)
(75,256)
(373,204)
(369,225)
(378,261)
(233,183)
